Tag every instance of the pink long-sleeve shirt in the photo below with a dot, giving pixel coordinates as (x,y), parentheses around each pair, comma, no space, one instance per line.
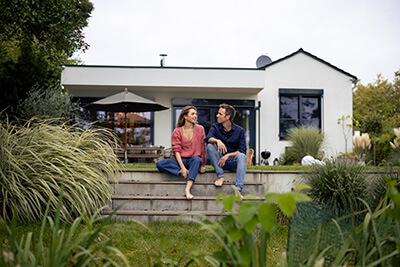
(190,148)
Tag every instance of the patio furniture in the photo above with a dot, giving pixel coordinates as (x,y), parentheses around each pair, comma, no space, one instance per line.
(151,152)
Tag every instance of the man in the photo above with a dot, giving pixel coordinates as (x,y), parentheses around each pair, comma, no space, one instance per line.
(226,146)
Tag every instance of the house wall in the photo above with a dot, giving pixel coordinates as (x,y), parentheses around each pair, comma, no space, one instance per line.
(163,84)
(304,72)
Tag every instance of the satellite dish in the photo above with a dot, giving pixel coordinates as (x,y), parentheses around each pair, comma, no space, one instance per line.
(263,61)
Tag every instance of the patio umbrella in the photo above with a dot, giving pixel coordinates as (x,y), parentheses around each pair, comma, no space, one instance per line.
(126,102)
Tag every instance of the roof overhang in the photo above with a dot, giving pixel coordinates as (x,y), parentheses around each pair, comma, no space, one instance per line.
(99,81)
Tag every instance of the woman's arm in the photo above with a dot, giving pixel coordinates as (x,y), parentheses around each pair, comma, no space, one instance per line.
(184,172)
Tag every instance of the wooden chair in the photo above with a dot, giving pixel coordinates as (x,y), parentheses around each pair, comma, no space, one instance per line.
(249,156)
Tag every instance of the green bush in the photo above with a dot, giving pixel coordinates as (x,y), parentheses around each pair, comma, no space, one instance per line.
(47,102)
(343,184)
(244,232)
(39,156)
(303,141)
(383,149)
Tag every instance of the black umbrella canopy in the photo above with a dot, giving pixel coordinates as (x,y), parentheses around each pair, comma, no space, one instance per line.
(126,102)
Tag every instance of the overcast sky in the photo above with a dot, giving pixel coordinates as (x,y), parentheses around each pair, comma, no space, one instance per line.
(361,37)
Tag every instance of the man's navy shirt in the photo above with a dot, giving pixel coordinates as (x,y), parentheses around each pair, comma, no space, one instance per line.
(234,139)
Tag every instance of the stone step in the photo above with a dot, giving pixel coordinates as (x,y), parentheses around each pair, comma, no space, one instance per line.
(148,195)
(155,175)
(172,188)
(150,216)
(166,203)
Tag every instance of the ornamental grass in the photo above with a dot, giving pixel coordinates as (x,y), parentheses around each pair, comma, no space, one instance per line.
(40,156)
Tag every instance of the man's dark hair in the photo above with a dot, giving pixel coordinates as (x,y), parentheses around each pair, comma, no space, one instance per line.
(229,110)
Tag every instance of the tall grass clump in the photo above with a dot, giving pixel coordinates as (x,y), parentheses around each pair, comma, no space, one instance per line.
(80,243)
(341,184)
(36,158)
(303,141)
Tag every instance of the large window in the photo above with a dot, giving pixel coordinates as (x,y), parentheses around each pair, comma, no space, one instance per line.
(207,110)
(299,107)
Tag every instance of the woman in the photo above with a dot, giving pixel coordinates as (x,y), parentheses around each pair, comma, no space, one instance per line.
(189,149)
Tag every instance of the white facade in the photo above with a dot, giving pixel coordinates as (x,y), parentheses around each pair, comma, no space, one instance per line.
(300,70)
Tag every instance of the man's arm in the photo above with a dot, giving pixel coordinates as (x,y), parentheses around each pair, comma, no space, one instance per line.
(221,146)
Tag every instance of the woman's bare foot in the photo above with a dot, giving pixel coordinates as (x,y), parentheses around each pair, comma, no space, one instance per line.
(219,182)
(188,195)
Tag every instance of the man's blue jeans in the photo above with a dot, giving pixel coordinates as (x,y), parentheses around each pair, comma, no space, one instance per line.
(237,163)
(172,166)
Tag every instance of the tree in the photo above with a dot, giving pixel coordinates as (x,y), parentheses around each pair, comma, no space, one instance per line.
(381,97)
(36,38)
(373,124)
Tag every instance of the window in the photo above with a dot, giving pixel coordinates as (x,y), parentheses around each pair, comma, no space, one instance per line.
(299,107)
(207,110)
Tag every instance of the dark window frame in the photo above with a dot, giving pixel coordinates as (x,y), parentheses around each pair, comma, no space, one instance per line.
(300,94)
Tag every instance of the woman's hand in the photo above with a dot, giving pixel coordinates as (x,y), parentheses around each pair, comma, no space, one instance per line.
(184,172)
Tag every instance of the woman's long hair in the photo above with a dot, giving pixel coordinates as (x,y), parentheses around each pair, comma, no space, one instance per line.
(185,111)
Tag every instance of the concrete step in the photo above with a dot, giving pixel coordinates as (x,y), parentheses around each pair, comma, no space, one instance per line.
(173,188)
(158,215)
(166,203)
(149,195)
(155,175)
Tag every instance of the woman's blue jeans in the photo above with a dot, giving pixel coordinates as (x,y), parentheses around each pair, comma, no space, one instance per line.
(172,166)
(237,163)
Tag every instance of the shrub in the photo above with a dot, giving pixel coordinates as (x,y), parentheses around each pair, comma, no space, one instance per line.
(39,156)
(47,102)
(303,141)
(343,185)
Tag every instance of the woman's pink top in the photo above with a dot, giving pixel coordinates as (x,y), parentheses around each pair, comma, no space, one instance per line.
(190,148)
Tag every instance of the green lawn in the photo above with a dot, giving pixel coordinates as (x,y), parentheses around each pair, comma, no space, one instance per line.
(142,244)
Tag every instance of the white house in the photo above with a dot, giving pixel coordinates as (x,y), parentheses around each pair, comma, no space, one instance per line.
(299,89)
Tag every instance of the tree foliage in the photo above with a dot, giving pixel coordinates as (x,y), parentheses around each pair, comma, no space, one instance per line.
(36,37)
(381,97)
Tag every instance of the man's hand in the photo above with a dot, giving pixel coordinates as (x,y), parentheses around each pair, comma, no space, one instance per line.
(222,160)
(221,147)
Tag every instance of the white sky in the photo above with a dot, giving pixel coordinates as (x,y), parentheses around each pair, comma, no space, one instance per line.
(361,37)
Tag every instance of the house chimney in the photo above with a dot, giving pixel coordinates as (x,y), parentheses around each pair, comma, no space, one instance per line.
(162,59)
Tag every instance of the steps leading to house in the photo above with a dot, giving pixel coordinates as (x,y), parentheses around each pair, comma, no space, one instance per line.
(149,195)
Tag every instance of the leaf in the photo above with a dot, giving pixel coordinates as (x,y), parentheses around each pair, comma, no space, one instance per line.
(272,197)
(302,186)
(228,201)
(267,215)
(300,197)
(251,225)
(236,234)
(287,204)
(245,256)
(247,211)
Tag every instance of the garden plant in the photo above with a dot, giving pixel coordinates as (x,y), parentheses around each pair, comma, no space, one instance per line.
(36,158)
(303,141)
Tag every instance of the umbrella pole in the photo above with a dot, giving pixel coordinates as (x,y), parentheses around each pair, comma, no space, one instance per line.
(126,140)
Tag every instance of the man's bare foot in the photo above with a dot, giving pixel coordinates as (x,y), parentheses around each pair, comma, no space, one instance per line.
(219,182)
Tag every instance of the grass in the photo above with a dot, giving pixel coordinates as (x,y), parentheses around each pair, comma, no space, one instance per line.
(142,244)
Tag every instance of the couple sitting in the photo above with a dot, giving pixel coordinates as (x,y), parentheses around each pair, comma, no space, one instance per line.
(226,148)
